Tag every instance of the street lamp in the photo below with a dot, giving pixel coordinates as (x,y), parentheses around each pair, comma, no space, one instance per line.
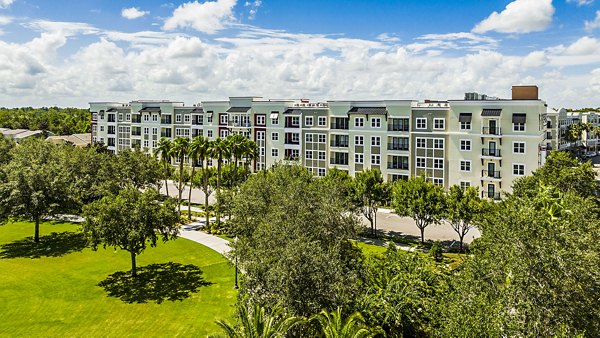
(235,286)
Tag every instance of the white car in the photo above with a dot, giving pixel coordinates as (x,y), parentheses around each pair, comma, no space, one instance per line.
(193,226)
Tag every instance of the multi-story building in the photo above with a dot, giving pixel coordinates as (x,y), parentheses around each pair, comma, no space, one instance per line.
(478,141)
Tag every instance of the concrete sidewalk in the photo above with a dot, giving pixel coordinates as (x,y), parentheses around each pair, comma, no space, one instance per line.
(216,243)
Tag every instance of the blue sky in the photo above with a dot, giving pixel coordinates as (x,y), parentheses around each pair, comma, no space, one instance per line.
(68,52)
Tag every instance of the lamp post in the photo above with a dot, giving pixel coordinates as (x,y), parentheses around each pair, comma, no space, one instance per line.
(235,286)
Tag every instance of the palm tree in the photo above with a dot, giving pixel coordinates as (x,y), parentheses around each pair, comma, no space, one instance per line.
(259,324)
(179,150)
(596,132)
(333,325)
(164,151)
(251,153)
(197,152)
(238,149)
(219,150)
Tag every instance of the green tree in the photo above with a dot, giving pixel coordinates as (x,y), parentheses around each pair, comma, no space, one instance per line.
(239,148)
(463,208)
(420,200)
(163,150)
(294,242)
(260,324)
(220,150)
(130,221)
(6,146)
(334,325)
(198,152)
(205,179)
(133,167)
(369,192)
(179,151)
(35,183)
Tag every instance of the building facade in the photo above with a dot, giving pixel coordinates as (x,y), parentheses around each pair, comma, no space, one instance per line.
(479,141)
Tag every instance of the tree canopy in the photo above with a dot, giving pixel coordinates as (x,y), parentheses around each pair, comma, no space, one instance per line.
(58,121)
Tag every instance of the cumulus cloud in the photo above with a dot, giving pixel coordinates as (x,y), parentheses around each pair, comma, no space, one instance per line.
(254,5)
(133,13)
(519,16)
(591,25)
(6,3)
(207,17)
(581,2)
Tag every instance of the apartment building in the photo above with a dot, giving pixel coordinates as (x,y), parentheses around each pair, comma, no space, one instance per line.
(478,141)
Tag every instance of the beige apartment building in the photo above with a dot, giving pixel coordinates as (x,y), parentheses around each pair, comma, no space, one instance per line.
(478,141)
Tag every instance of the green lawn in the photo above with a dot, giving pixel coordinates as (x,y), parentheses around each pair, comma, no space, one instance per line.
(371,249)
(57,294)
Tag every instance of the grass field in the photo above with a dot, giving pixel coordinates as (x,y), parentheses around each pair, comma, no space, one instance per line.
(58,294)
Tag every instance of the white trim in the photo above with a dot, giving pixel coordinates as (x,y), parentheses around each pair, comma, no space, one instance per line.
(417,122)
(524,169)
(470,144)
(461,165)
(362,122)
(362,140)
(524,148)
(437,119)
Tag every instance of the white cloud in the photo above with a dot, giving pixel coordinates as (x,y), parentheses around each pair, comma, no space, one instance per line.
(387,37)
(584,46)
(581,2)
(461,40)
(5,20)
(519,16)
(254,6)
(6,3)
(133,13)
(591,25)
(207,17)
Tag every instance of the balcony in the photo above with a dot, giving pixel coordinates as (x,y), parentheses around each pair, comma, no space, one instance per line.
(338,161)
(197,120)
(496,131)
(341,144)
(397,166)
(491,195)
(136,119)
(290,140)
(242,124)
(491,152)
(166,133)
(397,146)
(165,120)
(490,174)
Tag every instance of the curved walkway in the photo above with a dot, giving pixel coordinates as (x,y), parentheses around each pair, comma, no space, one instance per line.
(211,241)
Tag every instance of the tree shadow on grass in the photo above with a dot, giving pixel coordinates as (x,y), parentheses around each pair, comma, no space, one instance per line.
(155,283)
(55,244)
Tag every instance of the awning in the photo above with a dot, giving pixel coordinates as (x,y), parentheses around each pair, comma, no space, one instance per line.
(209,113)
(465,117)
(197,110)
(368,110)
(293,111)
(112,110)
(491,112)
(519,118)
(274,115)
(150,110)
(238,109)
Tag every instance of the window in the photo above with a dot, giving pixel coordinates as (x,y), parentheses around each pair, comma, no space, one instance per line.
(295,137)
(322,121)
(439,124)
(308,137)
(308,154)
(146,144)
(154,131)
(421,123)
(94,128)
(359,122)
(438,143)
(438,163)
(321,155)
(465,184)
(438,181)
(465,165)
(146,117)
(321,172)
(375,141)
(223,133)
(376,122)
(295,120)
(358,158)
(322,138)
(153,144)
(519,147)
(274,152)
(154,117)
(186,118)
(260,135)
(518,169)
(465,145)
(261,120)
(147,130)
(359,140)
(209,133)
(421,162)
(275,121)
(223,119)
(128,117)
(308,120)
(518,126)
(120,141)
(209,118)
(101,128)
(375,159)
(465,126)
(274,136)
(120,117)
(421,143)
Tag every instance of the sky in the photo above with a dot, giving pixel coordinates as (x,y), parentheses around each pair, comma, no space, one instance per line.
(69,53)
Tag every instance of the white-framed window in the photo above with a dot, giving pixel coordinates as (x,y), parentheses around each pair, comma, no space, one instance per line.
(209,118)
(120,117)
(359,122)
(322,138)
(421,142)
(465,165)
(260,135)
(94,139)
(154,144)
(186,118)
(120,141)
(261,120)
(127,117)
(438,143)
(308,120)
(146,144)
(209,133)
(321,172)
(465,125)
(359,158)
(359,140)
(295,120)
(178,118)
(154,131)
(275,121)
(438,181)
(308,137)
(421,162)
(376,122)
(295,137)
(146,117)
(94,116)
(223,119)
(308,154)
(146,130)
(321,155)
(519,147)
(518,127)
(101,128)
(274,152)
(102,140)
(322,121)
(439,123)
(438,163)
(465,145)
(274,136)
(223,133)
(518,169)
(465,184)
(94,128)
(421,123)
(375,141)
(375,159)
(154,117)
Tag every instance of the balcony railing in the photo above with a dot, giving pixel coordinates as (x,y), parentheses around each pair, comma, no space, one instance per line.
(395,146)
(136,119)
(166,120)
(343,126)
(342,144)
(393,127)
(292,141)
(492,131)
(491,195)
(491,174)
(400,166)
(240,124)
(165,134)
(339,161)
(491,152)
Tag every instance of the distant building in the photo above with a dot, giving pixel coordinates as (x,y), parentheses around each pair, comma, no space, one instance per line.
(78,140)
(18,135)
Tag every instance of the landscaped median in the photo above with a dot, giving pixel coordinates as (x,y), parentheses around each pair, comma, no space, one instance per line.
(62,288)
